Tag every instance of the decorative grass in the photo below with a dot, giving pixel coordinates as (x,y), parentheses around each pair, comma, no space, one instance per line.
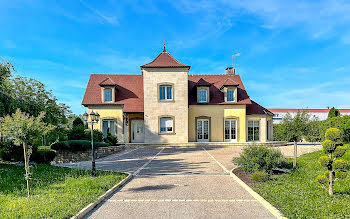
(299,195)
(57,192)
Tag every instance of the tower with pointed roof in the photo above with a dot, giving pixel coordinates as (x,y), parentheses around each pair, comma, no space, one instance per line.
(165,86)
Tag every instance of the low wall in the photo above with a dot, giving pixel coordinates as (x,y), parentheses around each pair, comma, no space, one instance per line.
(75,156)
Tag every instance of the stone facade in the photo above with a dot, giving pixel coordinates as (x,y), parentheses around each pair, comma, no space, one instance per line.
(153,108)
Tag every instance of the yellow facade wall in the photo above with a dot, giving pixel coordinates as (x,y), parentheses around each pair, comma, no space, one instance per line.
(111,113)
(217,114)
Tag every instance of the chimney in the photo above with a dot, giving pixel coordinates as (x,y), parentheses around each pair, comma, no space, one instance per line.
(230,71)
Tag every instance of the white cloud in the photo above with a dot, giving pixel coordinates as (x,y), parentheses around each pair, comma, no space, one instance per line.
(109,19)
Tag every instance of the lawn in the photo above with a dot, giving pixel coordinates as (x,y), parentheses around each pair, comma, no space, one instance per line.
(58,192)
(299,195)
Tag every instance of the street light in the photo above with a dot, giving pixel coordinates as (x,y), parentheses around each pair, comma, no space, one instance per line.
(95,118)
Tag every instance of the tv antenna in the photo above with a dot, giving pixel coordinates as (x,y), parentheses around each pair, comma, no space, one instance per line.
(233,58)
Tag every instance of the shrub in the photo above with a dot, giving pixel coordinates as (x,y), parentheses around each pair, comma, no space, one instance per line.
(110,139)
(78,122)
(260,158)
(76,145)
(322,179)
(328,146)
(333,134)
(333,113)
(340,164)
(346,132)
(43,156)
(11,152)
(324,161)
(76,133)
(260,176)
(339,151)
(98,135)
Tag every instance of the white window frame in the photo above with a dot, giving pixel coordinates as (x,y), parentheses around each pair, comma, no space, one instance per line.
(206,95)
(166,92)
(164,130)
(254,139)
(233,95)
(104,95)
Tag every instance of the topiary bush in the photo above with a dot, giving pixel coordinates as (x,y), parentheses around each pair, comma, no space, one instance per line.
(260,158)
(76,145)
(260,176)
(335,166)
(110,139)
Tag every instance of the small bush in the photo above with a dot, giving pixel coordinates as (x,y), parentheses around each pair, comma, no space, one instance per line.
(43,156)
(76,145)
(339,151)
(341,174)
(11,152)
(260,158)
(98,135)
(260,176)
(328,146)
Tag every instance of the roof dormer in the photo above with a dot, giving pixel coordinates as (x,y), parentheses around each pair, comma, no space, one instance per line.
(203,91)
(108,90)
(229,88)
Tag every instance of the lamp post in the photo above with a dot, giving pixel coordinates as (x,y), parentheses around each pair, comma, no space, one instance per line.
(94,118)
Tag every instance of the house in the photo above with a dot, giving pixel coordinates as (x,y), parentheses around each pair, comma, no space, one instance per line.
(318,114)
(165,104)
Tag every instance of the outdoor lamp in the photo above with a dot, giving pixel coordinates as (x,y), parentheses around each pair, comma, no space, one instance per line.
(92,116)
(94,119)
(97,117)
(85,117)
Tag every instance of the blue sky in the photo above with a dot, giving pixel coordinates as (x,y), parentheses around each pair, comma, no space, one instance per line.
(294,54)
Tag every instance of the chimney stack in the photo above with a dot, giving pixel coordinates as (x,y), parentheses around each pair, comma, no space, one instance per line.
(230,71)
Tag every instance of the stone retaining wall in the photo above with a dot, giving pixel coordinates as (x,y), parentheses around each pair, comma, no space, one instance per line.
(75,156)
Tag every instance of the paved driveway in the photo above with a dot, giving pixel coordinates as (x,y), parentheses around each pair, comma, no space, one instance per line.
(177,182)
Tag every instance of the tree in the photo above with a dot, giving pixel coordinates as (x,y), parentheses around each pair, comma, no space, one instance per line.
(333,113)
(294,129)
(78,122)
(336,168)
(25,130)
(5,72)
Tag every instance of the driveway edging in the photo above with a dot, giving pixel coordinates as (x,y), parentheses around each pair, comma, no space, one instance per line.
(258,197)
(88,208)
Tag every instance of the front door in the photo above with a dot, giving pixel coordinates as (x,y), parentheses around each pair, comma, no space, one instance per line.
(230,130)
(203,130)
(137,131)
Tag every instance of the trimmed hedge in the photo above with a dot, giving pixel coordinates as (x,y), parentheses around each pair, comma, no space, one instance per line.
(43,156)
(76,145)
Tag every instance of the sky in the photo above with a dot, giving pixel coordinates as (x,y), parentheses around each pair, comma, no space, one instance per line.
(294,54)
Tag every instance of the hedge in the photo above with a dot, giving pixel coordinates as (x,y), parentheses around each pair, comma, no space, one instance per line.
(76,145)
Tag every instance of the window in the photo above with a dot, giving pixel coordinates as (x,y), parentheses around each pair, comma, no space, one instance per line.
(230,95)
(253,130)
(108,126)
(165,92)
(166,125)
(202,95)
(107,94)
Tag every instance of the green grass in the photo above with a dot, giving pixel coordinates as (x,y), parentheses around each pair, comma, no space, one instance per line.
(299,195)
(57,192)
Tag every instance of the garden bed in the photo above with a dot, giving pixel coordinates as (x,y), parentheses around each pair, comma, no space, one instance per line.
(299,195)
(58,192)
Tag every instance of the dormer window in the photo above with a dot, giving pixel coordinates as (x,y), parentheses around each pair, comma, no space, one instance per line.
(230,95)
(203,95)
(108,94)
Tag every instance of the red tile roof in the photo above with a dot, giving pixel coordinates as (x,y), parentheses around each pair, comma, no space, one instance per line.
(203,82)
(165,60)
(230,82)
(216,96)
(107,82)
(257,109)
(309,110)
(129,93)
